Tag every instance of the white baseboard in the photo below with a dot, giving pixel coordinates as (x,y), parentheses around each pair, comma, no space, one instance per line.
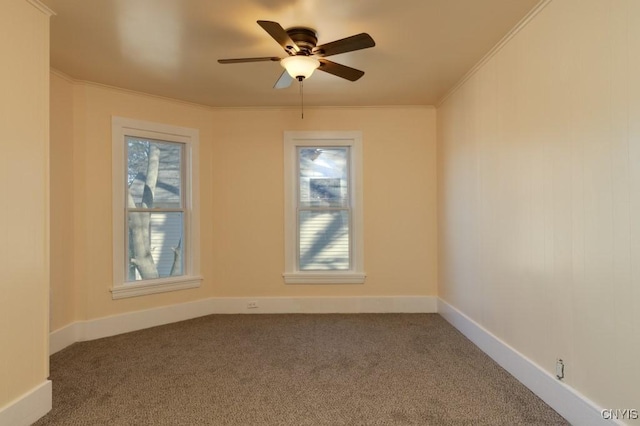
(28,408)
(569,403)
(573,406)
(65,336)
(132,321)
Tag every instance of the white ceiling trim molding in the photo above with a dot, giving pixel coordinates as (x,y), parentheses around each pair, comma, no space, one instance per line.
(66,77)
(515,30)
(63,76)
(41,7)
(77,81)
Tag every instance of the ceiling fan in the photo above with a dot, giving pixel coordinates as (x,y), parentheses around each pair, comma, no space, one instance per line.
(305,55)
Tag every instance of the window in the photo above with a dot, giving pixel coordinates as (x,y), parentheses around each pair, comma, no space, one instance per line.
(323,208)
(155,214)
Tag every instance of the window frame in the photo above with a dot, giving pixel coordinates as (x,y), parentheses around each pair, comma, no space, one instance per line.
(323,139)
(121,128)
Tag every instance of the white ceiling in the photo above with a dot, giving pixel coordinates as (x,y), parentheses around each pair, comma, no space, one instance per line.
(170,47)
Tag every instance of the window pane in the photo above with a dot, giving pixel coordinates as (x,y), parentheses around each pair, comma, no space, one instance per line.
(324,177)
(155,245)
(153,173)
(324,240)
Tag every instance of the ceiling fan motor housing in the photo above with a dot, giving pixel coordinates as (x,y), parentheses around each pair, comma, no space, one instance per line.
(305,38)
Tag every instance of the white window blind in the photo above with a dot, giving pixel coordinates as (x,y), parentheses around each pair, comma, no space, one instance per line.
(323,208)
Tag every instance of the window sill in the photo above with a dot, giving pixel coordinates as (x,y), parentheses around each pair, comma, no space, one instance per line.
(155,286)
(324,278)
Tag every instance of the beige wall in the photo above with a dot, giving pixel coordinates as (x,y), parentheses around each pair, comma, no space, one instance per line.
(24,216)
(242,204)
(399,200)
(63,296)
(539,195)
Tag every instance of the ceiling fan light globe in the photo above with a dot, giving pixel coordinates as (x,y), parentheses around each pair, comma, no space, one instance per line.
(300,66)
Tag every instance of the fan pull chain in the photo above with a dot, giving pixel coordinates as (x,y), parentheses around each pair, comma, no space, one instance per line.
(301,99)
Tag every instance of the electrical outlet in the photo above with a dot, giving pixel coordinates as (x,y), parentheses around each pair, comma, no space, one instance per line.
(252,305)
(559,369)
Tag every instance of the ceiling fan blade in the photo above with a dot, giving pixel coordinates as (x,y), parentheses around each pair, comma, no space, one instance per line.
(284,81)
(340,70)
(349,44)
(279,34)
(241,60)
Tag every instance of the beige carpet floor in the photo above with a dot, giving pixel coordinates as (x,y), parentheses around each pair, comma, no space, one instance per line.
(362,369)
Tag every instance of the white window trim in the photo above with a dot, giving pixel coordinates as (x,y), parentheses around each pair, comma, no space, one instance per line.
(292,274)
(122,127)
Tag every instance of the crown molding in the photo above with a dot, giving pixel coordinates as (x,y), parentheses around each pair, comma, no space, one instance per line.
(296,108)
(497,48)
(41,7)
